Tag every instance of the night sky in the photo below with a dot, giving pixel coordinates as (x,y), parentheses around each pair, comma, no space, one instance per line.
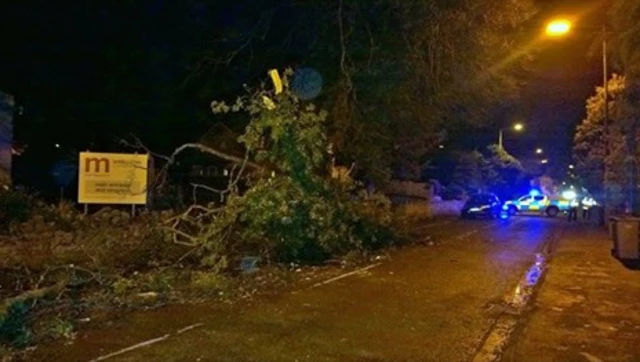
(54,52)
(565,73)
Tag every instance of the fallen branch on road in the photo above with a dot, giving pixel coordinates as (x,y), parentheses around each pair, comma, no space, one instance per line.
(29,295)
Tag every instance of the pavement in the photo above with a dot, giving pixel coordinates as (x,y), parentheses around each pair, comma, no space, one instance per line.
(588,308)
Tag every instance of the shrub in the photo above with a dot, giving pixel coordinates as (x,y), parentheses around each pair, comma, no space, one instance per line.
(15,206)
(107,240)
(207,282)
(58,328)
(14,329)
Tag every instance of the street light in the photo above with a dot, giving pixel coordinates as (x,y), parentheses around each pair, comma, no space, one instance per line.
(558,27)
(544,162)
(571,167)
(516,127)
(539,151)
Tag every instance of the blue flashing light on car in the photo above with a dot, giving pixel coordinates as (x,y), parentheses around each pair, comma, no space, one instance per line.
(535,192)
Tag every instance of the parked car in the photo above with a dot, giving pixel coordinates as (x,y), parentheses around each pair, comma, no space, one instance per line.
(482,205)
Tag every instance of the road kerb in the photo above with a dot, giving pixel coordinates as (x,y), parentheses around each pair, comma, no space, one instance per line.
(501,332)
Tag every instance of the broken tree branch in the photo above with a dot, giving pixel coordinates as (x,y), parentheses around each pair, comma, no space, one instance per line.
(212,151)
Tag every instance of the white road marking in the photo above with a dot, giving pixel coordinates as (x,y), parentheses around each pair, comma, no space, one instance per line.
(190,327)
(134,347)
(590,357)
(145,343)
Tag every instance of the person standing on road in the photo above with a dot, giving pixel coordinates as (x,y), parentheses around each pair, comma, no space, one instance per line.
(587,204)
(573,210)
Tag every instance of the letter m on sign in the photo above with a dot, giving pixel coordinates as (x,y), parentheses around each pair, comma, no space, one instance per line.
(97,163)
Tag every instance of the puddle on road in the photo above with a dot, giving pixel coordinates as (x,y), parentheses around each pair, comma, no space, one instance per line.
(517,300)
(522,293)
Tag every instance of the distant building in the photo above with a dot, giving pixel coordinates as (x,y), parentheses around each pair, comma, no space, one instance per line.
(7,104)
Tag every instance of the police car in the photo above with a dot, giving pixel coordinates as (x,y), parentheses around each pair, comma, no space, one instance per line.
(539,203)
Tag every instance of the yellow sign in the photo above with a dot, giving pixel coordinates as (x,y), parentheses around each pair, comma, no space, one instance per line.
(112,178)
(275,78)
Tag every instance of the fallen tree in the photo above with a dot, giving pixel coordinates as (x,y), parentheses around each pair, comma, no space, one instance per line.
(293,212)
(290,210)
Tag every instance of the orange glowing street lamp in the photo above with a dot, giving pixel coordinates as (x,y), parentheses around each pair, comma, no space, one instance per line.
(558,27)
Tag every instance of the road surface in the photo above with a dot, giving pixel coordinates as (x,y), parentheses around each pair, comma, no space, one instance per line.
(427,303)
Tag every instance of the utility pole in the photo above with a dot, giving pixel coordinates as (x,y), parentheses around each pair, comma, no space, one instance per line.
(605,130)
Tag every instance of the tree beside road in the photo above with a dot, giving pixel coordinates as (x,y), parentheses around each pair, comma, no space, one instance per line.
(589,143)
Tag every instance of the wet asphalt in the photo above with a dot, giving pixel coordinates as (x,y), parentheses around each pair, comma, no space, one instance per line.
(436,301)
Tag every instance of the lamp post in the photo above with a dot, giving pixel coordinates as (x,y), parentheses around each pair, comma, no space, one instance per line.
(516,127)
(605,123)
(560,27)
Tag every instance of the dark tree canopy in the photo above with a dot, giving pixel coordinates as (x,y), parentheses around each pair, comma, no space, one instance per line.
(396,73)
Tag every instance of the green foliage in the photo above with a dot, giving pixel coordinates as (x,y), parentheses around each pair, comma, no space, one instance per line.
(589,140)
(624,17)
(469,171)
(146,288)
(158,282)
(14,329)
(58,328)
(87,256)
(15,206)
(297,213)
(495,170)
(503,170)
(122,286)
(109,239)
(396,72)
(456,68)
(208,282)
